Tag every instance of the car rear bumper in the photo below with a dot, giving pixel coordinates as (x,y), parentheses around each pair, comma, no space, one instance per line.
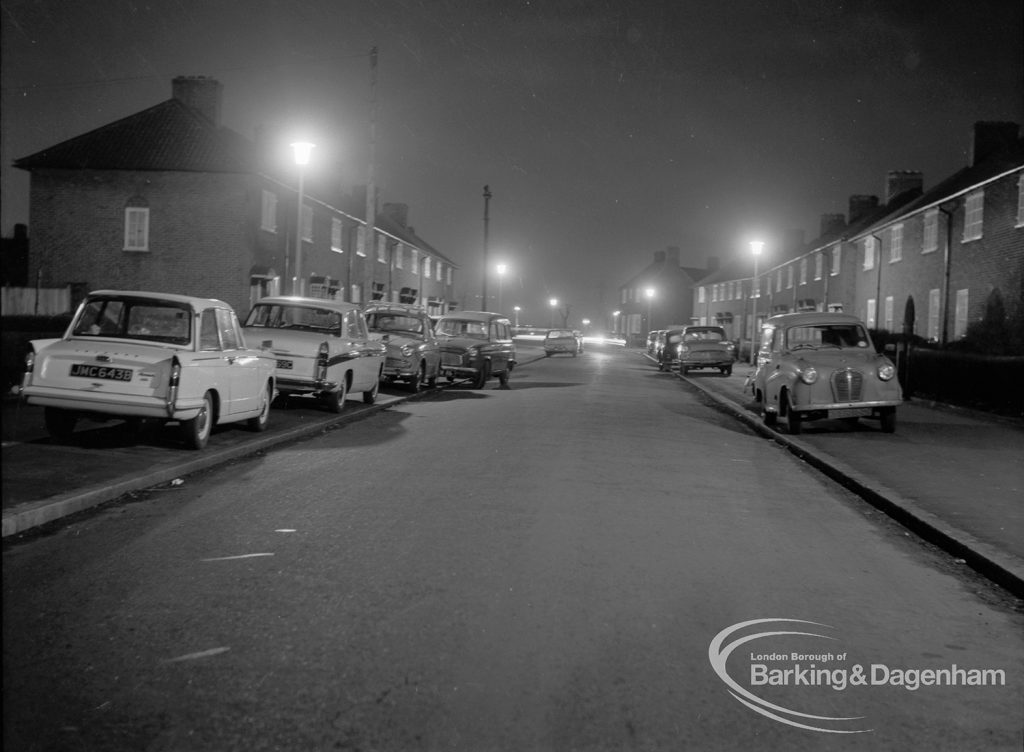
(108,404)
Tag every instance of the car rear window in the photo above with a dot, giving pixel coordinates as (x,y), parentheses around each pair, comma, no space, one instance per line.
(135,318)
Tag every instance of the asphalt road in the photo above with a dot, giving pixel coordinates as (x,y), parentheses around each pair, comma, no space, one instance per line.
(540,568)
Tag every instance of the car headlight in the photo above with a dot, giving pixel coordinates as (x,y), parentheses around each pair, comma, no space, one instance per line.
(886,371)
(683,349)
(408,350)
(809,375)
(472,352)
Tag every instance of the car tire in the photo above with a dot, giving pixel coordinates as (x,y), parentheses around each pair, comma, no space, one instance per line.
(482,375)
(370,396)
(683,370)
(889,420)
(196,431)
(727,371)
(335,400)
(262,420)
(60,424)
(503,378)
(770,419)
(794,423)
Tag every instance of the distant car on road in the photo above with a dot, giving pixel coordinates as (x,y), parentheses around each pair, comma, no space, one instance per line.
(705,347)
(561,341)
(476,345)
(137,355)
(413,354)
(822,365)
(322,348)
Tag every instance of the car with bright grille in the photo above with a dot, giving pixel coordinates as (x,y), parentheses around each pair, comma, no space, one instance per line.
(137,355)
(814,366)
(704,347)
(413,356)
(322,348)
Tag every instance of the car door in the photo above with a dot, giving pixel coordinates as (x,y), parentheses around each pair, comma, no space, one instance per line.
(366,355)
(242,372)
(500,338)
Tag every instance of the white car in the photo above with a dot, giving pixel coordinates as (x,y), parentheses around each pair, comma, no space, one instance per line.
(321,347)
(137,355)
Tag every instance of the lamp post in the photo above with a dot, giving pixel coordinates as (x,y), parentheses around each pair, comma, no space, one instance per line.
(501,268)
(487,219)
(516,310)
(649,294)
(302,151)
(551,320)
(615,321)
(756,246)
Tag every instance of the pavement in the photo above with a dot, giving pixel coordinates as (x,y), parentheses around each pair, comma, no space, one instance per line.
(953,477)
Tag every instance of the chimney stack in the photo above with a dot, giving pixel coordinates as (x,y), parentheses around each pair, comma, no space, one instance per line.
(831,223)
(861,206)
(900,182)
(200,93)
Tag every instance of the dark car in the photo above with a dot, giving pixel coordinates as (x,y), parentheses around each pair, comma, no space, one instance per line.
(560,341)
(413,355)
(476,345)
(665,348)
(705,347)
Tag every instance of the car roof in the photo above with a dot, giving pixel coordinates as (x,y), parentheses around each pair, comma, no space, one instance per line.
(406,308)
(191,300)
(812,317)
(473,316)
(336,305)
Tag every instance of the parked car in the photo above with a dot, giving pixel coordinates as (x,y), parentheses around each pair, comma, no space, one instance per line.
(665,348)
(476,345)
(823,365)
(652,338)
(413,354)
(705,347)
(562,341)
(137,355)
(322,348)
(579,341)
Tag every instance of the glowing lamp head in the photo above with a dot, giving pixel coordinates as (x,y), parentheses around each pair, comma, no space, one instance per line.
(302,150)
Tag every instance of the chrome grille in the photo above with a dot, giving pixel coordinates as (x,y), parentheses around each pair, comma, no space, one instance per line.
(848,385)
(451,359)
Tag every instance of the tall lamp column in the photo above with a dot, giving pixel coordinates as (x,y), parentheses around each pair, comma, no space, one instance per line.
(756,246)
(302,151)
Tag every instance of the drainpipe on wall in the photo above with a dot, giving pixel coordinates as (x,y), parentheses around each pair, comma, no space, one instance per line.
(946,263)
(878,284)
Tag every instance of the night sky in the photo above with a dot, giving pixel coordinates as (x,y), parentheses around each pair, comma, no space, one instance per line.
(605,130)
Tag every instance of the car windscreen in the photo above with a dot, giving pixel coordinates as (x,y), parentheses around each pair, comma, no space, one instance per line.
(560,334)
(826,336)
(704,335)
(135,318)
(394,322)
(463,328)
(302,318)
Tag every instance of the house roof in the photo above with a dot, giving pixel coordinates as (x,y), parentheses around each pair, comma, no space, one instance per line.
(168,136)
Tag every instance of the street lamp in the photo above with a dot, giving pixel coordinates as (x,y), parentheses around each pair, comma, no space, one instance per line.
(302,151)
(649,294)
(502,268)
(756,246)
(554,304)
(516,310)
(487,220)
(615,321)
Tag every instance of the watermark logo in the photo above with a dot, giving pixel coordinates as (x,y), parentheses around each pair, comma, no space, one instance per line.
(799,669)
(721,648)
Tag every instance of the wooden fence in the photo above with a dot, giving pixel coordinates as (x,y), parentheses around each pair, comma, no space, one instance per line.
(31,301)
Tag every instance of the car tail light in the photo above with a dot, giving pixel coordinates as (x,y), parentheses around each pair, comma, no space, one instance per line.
(172,384)
(321,362)
(684,349)
(30,361)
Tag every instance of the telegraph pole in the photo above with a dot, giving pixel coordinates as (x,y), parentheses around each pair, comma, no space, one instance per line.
(371,189)
(487,202)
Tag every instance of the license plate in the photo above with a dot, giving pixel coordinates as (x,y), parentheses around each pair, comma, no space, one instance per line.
(284,365)
(855,412)
(101,372)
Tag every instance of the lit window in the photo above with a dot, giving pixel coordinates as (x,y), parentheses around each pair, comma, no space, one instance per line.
(448,275)
(869,316)
(933,315)
(426,266)
(136,228)
(437,271)
(336,235)
(836,260)
(361,242)
(268,214)
(414,262)
(896,244)
(700,295)
(803,271)
(888,313)
(819,265)
(789,277)
(930,242)
(960,319)
(382,245)
(869,252)
(400,256)
(974,215)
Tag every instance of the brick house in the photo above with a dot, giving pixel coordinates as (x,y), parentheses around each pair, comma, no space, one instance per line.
(671,298)
(168,199)
(930,262)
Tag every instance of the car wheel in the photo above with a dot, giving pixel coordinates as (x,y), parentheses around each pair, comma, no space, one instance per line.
(196,431)
(547,355)
(335,400)
(889,420)
(503,378)
(262,420)
(683,370)
(370,396)
(794,423)
(60,424)
(727,371)
(482,376)
(432,381)
(770,419)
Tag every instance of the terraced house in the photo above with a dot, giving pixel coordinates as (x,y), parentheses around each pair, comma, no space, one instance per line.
(925,262)
(170,200)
